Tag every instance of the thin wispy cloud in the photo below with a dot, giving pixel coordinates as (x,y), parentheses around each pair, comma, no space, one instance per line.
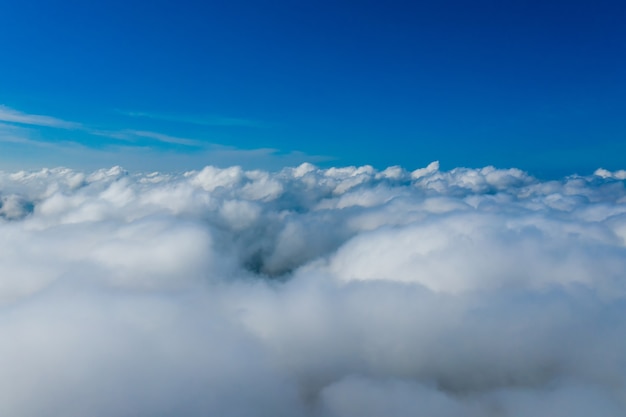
(22,135)
(209,120)
(86,147)
(10,115)
(14,119)
(16,134)
(160,137)
(129,135)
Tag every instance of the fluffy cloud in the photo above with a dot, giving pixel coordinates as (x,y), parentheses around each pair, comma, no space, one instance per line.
(312,292)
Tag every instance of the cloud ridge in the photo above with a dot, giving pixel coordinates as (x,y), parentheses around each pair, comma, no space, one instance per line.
(338,292)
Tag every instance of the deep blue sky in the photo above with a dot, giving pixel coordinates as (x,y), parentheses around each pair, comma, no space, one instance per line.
(539,85)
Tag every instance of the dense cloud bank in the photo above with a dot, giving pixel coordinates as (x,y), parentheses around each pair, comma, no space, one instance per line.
(345,292)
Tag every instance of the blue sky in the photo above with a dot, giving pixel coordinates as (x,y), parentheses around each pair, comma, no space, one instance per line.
(539,85)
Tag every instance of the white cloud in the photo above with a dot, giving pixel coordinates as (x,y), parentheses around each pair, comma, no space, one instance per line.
(601,172)
(310,292)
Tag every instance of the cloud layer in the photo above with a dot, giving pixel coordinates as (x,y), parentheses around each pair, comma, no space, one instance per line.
(312,292)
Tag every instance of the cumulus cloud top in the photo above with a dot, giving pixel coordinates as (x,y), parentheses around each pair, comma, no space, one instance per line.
(315,292)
